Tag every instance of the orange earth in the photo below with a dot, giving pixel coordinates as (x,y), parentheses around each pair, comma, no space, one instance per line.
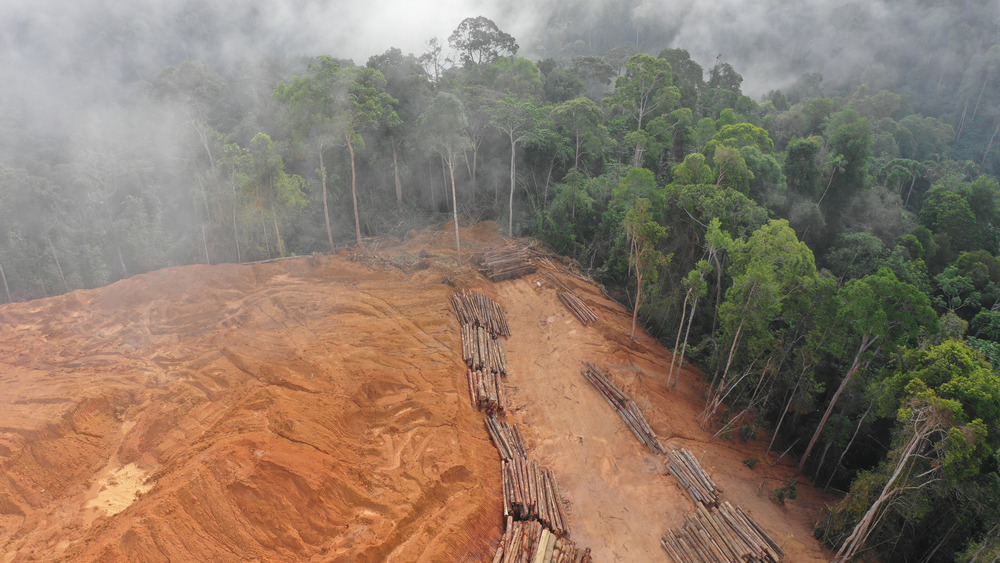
(316,409)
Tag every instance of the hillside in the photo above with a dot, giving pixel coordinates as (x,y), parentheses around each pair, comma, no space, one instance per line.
(316,409)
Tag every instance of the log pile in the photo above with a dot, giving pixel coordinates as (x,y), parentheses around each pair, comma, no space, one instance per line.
(482,351)
(530,493)
(624,406)
(723,534)
(530,542)
(580,310)
(486,391)
(689,472)
(478,309)
(506,263)
(506,438)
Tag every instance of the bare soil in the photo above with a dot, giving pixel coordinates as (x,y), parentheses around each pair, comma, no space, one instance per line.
(316,409)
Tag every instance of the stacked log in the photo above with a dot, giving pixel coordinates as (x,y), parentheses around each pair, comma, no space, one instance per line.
(478,309)
(723,534)
(506,438)
(688,471)
(506,263)
(624,406)
(530,542)
(486,391)
(580,310)
(482,351)
(530,493)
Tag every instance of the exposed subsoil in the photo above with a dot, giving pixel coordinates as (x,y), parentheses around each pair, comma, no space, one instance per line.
(316,409)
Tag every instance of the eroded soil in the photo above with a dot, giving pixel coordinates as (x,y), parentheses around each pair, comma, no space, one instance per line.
(316,409)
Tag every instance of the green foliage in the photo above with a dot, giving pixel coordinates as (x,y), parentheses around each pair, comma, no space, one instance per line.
(788,491)
(479,41)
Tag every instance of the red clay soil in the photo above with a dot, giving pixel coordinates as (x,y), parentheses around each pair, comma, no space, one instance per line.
(316,409)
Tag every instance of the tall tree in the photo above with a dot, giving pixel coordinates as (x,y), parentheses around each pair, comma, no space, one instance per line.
(518,119)
(878,312)
(645,89)
(643,234)
(581,120)
(360,102)
(309,101)
(479,41)
(443,125)
(273,189)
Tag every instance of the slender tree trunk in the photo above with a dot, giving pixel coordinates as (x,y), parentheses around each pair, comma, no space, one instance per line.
(909,192)
(828,184)
(454,211)
(204,244)
(865,343)
(5,288)
(990,144)
(326,205)
(395,174)
(687,333)
(961,122)
(784,412)
(236,232)
(822,458)
(638,299)
(510,218)
(354,190)
(980,98)
(867,523)
(277,234)
(840,459)
(56,258)
(121,260)
(680,330)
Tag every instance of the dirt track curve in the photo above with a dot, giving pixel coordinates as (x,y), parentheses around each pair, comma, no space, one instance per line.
(316,409)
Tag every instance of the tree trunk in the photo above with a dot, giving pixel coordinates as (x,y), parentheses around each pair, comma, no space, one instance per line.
(56,258)
(454,211)
(680,330)
(395,175)
(784,412)
(121,260)
(638,299)
(510,218)
(847,447)
(865,343)
(277,234)
(326,206)
(5,288)
(990,144)
(204,243)
(236,232)
(867,522)
(687,333)
(354,190)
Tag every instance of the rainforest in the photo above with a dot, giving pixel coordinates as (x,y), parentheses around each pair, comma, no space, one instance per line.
(800,201)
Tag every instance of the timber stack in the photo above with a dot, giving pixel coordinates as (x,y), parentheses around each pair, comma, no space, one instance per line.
(530,493)
(580,310)
(683,465)
(482,351)
(486,391)
(530,542)
(478,309)
(624,406)
(506,438)
(506,263)
(720,535)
